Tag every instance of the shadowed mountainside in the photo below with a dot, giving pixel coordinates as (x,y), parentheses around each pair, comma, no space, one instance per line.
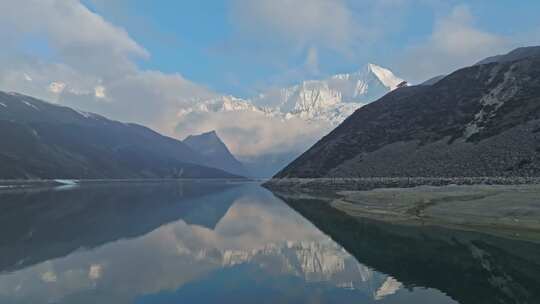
(43,140)
(212,148)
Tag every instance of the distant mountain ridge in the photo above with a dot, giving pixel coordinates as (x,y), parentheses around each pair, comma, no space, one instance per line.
(517,54)
(212,148)
(41,140)
(482,120)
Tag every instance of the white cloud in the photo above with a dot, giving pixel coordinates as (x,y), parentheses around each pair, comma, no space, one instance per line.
(81,38)
(93,61)
(249,133)
(454,43)
(151,98)
(302,23)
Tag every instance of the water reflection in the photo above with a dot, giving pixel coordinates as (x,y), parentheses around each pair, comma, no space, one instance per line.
(469,267)
(212,242)
(42,224)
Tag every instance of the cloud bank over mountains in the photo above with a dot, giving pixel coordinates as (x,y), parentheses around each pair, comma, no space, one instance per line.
(79,59)
(62,51)
(250,133)
(455,42)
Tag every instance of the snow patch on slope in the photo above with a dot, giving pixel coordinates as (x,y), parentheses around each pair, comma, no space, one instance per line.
(30,105)
(385,76)
(491,102)
(389,287)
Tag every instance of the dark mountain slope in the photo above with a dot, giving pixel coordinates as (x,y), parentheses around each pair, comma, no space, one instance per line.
(482,120)
(212,147)
(42,140)
(433,80)
(517,54)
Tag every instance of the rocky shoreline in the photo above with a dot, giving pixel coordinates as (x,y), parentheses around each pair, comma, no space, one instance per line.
(360,184)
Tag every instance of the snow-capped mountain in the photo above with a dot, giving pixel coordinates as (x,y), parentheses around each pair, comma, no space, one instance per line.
(313,261)
(361,87)
(332,99)
(322,261)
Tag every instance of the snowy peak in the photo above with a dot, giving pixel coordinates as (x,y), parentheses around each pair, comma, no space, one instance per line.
(336,97)
(311,95)
(385,76)
(312,261)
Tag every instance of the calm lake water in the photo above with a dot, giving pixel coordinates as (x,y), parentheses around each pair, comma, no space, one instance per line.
(217,242)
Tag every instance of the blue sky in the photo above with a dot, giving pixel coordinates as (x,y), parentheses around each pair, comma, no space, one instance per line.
(205,41)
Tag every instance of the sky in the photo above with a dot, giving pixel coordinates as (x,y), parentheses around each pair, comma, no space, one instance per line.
(144,61)
(241,47)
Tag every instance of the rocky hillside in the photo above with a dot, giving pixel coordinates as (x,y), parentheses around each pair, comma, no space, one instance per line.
(45,141)
(482,120)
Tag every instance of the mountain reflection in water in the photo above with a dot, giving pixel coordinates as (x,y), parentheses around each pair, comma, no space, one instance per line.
(469,267)
(219,242)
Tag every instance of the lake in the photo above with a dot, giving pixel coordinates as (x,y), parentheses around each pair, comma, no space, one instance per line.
(236,242)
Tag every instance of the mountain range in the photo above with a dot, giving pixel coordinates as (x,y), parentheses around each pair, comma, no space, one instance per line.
(41,140)
(332,99)
(482,120)
(50,141)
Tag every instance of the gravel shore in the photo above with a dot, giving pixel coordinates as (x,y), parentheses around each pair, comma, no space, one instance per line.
(503,206)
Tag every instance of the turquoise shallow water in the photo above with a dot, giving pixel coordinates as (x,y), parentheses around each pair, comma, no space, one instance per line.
(222,242)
